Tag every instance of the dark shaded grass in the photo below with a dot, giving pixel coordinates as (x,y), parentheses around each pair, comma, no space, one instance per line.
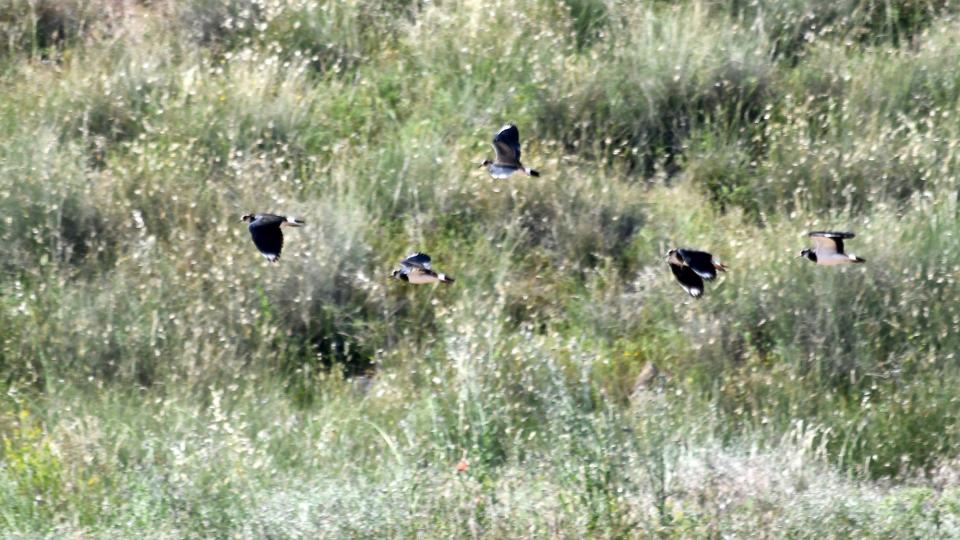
(794,25)
(44,29)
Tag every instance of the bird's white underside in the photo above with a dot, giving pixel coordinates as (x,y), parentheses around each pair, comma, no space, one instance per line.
(418,278)
(500,171)
(833,259)
(421,279)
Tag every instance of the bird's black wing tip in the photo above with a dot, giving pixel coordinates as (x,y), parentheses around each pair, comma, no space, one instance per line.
(508,133)
(418,258)
(832,234)
(700,262)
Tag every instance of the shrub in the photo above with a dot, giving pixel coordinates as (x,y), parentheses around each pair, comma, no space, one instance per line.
(791,26)
(44,27)
(666,71)
(49,208)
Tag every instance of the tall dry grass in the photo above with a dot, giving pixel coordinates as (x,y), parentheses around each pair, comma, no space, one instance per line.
(163,380)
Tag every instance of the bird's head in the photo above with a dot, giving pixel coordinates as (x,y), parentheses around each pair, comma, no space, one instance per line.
(247,218)
(396,274)
(486,163)
(671,256)
(805,253)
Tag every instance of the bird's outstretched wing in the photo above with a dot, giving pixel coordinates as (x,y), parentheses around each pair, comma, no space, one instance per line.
(689,280)
(416,260)
(831,234)
(506,143)
(267,236)
(700,262)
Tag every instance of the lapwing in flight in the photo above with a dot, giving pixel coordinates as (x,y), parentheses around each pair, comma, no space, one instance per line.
(691,267)
(828,248)
(416,269)
(506,143)
(266,233)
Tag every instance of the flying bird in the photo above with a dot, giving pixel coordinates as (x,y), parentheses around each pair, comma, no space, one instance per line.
(416,269)
(506,143)
(266,233)
(828,248)
(691,267)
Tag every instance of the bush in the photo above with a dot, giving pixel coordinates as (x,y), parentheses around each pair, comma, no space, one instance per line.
(45,27)
(50,206)
(791,26)
(665,72)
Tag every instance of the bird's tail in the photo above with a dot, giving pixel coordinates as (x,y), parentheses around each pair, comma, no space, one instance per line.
(294,222)
(445,279)
(532,172)
(858,260)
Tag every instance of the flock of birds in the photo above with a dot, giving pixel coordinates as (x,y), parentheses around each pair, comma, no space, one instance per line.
(689,266)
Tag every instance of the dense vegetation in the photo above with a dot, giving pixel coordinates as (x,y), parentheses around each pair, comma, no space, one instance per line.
(163,380)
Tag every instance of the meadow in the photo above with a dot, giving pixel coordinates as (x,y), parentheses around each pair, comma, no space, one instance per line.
(161,379)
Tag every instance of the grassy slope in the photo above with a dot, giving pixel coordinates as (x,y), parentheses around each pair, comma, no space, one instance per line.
(164,381)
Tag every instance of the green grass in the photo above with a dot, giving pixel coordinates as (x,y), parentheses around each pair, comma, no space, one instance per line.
(161,380)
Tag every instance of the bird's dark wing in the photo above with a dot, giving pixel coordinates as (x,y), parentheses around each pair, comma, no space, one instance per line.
(688,279)
(700,262)
(269,219)
(416,260)
(831,234)
(267,235)
(506,143)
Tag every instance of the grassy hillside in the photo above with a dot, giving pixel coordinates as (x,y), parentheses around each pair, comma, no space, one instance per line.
(162,380)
